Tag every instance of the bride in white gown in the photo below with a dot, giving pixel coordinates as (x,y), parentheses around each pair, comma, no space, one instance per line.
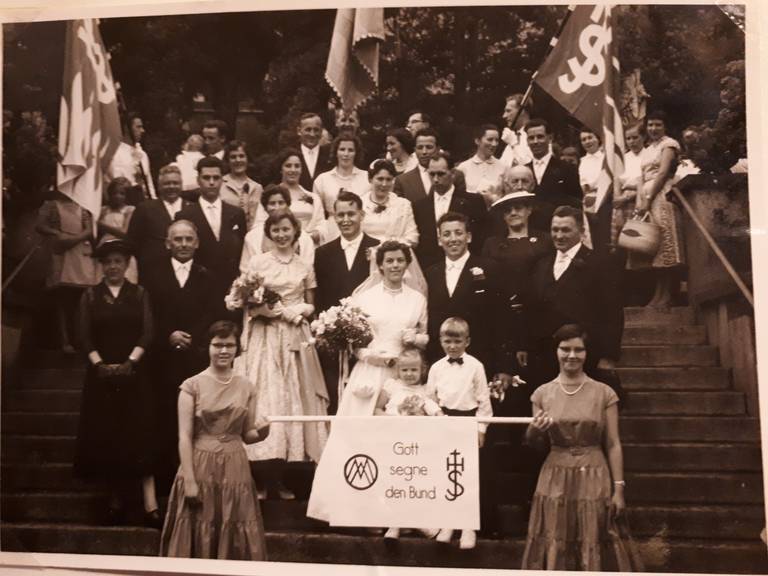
(398,318)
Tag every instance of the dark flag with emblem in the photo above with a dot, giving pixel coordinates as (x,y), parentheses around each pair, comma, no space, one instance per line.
(582,74)
(89,125)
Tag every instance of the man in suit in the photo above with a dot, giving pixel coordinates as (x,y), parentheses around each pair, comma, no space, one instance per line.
(573,285)
(214,137)
(445,197)
(221,228)
(148,229)
(315,158)
(557,183)
(181,294)
(415,184)
(341,266)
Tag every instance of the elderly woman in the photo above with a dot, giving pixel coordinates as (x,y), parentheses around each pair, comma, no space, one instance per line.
(237,188)
(580,491)
(114,441)
(658,162)
(345,148)
(307,206)
(400,147)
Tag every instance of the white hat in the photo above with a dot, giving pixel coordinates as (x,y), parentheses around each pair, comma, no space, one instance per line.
(513,196)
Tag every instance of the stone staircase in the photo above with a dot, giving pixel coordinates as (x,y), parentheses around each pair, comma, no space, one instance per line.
(692,459)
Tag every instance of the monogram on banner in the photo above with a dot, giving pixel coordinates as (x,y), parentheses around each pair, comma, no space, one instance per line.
(593,41)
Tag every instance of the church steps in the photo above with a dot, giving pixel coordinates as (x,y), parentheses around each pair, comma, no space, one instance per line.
(721,403)
(40,423)
(675,378)
(672,316)
(679,355)
(640,335)
(654,429)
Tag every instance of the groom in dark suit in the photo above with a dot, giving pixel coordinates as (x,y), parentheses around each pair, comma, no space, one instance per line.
(315,158)
(341,266)
(220,226)
(181,294)
(573,285)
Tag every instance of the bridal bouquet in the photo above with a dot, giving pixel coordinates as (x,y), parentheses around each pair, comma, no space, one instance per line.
(341,327)
(412,406)
(248,289)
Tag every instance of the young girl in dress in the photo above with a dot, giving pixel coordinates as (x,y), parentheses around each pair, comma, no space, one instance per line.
(406,396)
(213,511)
(115,218)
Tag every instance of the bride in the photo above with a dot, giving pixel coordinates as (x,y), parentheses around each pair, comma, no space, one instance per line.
(398,318)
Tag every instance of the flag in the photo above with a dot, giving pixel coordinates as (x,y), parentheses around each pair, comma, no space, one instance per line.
(89,122)
(582,74)
(353,60)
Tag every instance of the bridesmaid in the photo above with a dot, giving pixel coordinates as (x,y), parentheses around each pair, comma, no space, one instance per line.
(305,205)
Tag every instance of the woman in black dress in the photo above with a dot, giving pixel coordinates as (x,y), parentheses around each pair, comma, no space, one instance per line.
(114,443)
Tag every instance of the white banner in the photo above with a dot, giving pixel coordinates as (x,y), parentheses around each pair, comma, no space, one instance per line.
(405,472)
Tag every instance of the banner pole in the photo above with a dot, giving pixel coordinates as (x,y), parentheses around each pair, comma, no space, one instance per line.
(321,418)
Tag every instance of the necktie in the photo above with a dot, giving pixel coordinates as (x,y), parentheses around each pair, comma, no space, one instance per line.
(561,263)
(459,361)
(214,220)
(182,274)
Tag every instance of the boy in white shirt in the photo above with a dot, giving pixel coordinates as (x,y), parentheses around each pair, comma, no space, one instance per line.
(458,382)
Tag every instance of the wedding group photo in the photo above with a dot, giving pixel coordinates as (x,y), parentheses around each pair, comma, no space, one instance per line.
(446,287)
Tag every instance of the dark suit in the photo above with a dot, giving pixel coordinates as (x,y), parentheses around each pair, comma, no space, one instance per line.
(471,205)
(410,186)
(334,282)
(588,293)
(147,232)
(559,186)
(323,165)
(221,257)
(189,309)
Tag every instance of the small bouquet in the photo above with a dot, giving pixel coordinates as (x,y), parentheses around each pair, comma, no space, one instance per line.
(498,388)
(412,406)
(341,327)
(248,290)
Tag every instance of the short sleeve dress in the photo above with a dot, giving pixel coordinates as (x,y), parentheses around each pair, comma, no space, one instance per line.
(570,527)
(227,524)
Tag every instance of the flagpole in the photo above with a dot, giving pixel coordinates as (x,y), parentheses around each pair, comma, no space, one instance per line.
(480,420)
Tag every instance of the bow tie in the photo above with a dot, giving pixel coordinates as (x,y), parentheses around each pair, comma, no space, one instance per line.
(458,361)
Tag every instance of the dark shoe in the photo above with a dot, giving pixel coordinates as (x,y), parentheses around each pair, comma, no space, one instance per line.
(153,519)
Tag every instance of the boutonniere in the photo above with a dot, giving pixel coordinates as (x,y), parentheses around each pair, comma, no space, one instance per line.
(307,198)
(235,227)
(533,239)
(477,273)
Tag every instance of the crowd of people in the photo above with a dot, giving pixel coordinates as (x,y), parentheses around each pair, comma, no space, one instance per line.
(491,286)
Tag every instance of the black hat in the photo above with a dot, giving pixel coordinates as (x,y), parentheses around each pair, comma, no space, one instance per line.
(108,246)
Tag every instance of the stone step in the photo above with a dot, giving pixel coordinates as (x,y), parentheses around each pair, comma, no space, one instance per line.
(38,449)
(56,359)
(705,488)
(50,378)
(673,316)
(42,401)
(40,424)
(675,378)
(685,403)
(694,555)
(655,356)
(49,477)
(693,456)
(649,334)
(689,429)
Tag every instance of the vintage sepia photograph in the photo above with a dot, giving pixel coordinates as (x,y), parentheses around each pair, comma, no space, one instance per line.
(448,287)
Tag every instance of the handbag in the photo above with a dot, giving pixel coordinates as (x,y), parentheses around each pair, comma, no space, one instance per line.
(641,235)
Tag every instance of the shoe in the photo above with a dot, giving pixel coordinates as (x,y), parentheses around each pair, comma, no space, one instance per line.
(392,534)
(445,535)
(468,539)
(153,519)
(429,532)
(285,494)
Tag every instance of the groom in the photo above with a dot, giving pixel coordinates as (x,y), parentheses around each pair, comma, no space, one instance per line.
(341,266)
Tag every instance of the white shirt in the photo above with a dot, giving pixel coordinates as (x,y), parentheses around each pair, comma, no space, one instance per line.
(590,167)
(172,207)
(131,162)
(220,154)
(482,175)
(425,179)
(350,248)
(460,386)
(540,166)
(212,212)
(453,270)
(563,260)
(310,157)
(181,269)
(517,150)
(443,202)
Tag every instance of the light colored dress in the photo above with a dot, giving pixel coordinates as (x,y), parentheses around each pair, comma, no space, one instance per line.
(328,184)
(257,243)
(570,526)
(283,367)
(390,314)
(74,266)
(399,391)
(119,219)
(663,212)
(309,214)
(227,524)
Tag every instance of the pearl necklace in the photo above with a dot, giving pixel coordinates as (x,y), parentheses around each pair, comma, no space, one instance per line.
(575,391)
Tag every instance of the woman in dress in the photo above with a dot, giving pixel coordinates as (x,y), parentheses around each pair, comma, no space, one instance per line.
(387,215)
(275,198)
(114,442)
(400,148)
(580,491)
(237,189)
(278,358)
(631,180)
(213,510)
(115,218)
(345,148)
(658,166)
(398,318)
(305,205)
(68,229)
